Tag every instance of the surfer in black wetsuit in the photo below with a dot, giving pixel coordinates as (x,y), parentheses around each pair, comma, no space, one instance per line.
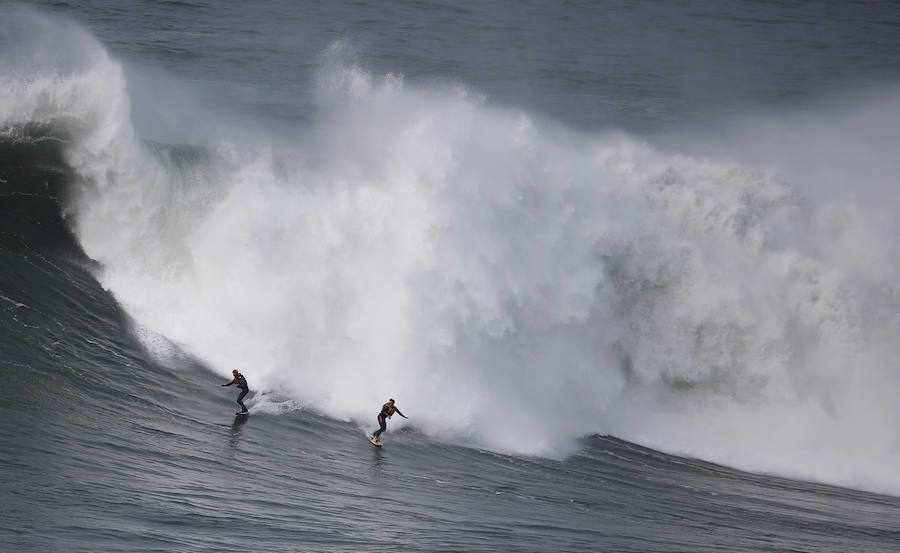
(241,383)
(387,410)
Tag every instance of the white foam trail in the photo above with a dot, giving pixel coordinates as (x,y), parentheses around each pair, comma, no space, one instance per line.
(510,283)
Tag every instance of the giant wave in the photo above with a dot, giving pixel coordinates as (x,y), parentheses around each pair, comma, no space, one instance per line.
(512,283)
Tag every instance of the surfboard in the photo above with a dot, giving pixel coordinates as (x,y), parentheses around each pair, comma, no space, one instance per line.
(374,442)
(242,413)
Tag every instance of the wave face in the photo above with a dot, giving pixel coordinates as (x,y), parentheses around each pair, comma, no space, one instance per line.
(514,284)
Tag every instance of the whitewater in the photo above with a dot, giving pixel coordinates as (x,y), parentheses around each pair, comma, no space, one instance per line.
(514,283)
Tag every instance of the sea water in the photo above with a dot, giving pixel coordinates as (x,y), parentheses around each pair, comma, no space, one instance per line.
(630,269)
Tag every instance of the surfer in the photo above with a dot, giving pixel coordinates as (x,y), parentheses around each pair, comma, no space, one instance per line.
(241,383)
(387,410)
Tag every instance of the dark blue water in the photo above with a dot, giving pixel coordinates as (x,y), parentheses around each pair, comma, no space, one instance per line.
(629,268)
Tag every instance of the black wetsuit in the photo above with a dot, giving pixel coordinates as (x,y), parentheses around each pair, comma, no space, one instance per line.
(241,383)
(386,411)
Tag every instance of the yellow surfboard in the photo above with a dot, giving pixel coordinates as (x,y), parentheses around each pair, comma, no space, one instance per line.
(374,442)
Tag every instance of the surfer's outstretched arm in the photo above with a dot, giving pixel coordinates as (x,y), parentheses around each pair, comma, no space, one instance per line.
(229,384)
(400,413)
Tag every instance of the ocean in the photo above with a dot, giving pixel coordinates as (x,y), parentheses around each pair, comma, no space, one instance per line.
(630,269)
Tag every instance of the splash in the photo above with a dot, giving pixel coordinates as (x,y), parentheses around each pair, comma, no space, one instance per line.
(513,284)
